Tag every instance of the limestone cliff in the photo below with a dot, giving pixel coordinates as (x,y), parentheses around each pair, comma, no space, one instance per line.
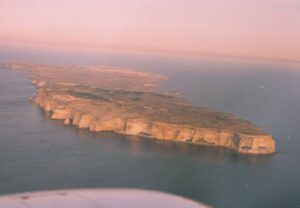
(103,120)
(125,101)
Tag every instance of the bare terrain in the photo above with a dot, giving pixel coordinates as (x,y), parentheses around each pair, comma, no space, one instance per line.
(126,101)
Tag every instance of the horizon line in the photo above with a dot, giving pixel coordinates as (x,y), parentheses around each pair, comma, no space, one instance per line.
(146,50)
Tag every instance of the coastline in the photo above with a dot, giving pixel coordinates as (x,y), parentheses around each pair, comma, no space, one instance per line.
(139,113)
(239,142)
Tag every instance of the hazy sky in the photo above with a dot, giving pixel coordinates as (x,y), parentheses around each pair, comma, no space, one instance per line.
(248,28)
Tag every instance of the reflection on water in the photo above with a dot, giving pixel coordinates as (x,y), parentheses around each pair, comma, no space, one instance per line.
(204,153)
(138,145)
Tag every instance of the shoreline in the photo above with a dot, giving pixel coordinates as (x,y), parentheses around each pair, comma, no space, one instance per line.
(140,113)
(238,142)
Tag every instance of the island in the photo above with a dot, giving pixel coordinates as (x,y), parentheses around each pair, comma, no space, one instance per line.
(128,102)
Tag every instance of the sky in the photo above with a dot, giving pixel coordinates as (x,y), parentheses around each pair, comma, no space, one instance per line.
(261,29)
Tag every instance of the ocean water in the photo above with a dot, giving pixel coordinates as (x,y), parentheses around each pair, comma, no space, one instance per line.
(41,154)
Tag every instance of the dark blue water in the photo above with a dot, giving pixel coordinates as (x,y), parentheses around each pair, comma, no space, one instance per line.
(40,154)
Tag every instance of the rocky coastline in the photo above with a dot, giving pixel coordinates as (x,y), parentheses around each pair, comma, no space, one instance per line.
(124,101)
(236,141)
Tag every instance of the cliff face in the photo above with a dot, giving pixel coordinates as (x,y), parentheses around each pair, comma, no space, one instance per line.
(132,125)
(124,101)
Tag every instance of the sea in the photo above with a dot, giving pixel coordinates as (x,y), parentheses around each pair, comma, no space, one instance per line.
(37,153)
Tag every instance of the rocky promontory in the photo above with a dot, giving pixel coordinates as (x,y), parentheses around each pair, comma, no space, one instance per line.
(125,102)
